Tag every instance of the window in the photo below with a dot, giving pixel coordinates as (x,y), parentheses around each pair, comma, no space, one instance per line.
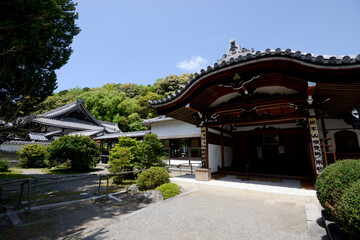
(346,142)
(183,147)
(179,148)
(195,147)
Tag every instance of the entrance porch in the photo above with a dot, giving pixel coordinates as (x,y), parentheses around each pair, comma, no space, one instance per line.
(275,151)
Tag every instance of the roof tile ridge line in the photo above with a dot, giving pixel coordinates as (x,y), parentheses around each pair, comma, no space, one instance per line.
(58,109)
(82,104)
(56,125)
(263,54)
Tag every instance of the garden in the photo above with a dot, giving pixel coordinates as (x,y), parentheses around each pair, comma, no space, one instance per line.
(338,191)
(68,158)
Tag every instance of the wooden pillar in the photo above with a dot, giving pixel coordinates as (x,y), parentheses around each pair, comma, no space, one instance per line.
(204,148)
(316,147)
(222,149)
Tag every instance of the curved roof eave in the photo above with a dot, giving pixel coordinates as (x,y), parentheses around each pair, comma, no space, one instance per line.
(307,59)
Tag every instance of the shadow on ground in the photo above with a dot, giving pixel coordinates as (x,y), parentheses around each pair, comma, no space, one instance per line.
(59,222)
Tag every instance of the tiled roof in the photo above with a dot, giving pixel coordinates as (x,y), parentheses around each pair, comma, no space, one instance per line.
(237,55)
(37,137)
(110,126)
(85,133)
(62,110)
(72,123)
(65,124)
(161,118)
(49,134)
(26,142)
(123,134)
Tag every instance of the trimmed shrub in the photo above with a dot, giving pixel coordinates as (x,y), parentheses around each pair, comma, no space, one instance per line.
(82,151)
(152,178)
(32,156)
(169,190)
(333,181)
(152,151)
(349,211)
(4,167)
(120,161)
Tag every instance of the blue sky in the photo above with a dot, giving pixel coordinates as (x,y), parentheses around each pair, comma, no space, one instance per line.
(140,41)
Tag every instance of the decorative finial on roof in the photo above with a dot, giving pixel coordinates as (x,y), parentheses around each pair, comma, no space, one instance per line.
(234,47)
(234,50)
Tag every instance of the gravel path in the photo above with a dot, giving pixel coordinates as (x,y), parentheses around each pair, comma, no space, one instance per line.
(211,215)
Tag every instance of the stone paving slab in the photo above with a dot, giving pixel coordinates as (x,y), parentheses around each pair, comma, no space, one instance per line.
(206,214)
(288,190)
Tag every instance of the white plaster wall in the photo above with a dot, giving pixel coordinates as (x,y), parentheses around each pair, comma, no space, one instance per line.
(214,157)
(336,125)
(175,129)
(228,156)
(218,132)
(14,147)
(11,148)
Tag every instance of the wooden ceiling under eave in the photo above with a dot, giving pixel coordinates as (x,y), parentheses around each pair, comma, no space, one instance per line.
(340,84)
(343,98)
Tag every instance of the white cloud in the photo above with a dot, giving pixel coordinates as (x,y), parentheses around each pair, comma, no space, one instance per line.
(194,64)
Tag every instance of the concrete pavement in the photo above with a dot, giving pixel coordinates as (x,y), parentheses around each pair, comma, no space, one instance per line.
(208,214)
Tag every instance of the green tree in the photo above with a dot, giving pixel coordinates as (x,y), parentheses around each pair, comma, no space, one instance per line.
(32,156)
(172,83)
(120,159)
(136,122)
(134,146)
(81,151)
(35,38)
(152,151)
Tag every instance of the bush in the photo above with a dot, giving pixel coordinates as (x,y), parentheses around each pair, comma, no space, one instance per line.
(152,178)
(4,167)
(134,146)
(120,161)
(145,154)
(82,151)
(152,151)
(32,156)
(332,182)
(349,210)
(169,190)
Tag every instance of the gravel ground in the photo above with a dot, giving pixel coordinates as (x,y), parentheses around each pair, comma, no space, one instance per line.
(58,222)
(211,215)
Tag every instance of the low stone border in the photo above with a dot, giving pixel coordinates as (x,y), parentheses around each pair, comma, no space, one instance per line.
(316,227)
(13,214)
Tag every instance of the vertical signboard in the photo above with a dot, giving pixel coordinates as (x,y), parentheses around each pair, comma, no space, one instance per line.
(315,142)
(203,147)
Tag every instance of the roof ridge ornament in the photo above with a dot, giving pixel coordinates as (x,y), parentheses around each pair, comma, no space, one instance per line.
(234,51)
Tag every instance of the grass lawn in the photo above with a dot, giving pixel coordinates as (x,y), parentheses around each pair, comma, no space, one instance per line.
(13,173)
(66,170)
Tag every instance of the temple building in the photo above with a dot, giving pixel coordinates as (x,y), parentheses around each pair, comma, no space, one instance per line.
(272,113)
(70,119)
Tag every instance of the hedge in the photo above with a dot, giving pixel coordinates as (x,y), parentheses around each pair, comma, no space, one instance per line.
(169,190)
(152,178)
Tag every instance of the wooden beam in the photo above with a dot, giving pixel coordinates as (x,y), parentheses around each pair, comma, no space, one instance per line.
(222,149)
(252,122)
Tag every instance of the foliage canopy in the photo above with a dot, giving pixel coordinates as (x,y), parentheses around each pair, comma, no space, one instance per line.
(129,153)
(35,38)
(125,104)
(32,156)
(152,178)
(81,151)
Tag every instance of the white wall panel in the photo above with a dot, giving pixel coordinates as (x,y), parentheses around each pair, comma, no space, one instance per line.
(175,129)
